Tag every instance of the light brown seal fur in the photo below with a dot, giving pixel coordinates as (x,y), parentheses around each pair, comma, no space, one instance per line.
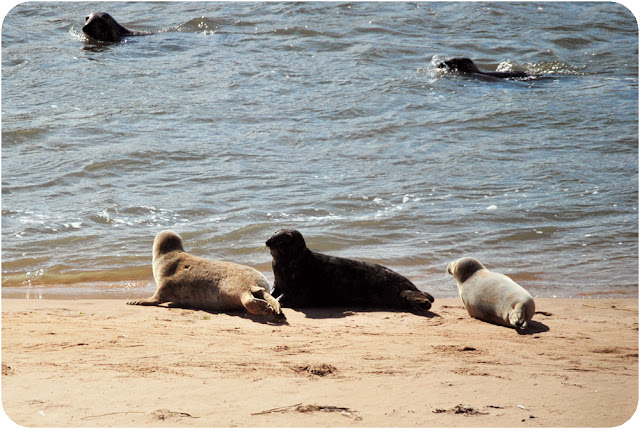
(490,296)
(186,280)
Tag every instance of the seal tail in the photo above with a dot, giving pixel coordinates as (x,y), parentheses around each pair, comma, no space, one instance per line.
(417,299)
(258,301)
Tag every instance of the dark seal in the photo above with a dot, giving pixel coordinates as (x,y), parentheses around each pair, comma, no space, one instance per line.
(304,278)
(101,26)
(467,66)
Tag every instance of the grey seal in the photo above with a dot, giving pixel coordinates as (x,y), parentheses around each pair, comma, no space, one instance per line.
(304,278)
(467,66)
(186,280)
(101,26)
(492,297)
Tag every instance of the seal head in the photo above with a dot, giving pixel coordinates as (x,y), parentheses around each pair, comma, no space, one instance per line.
(460,65)
(166,242)
(102,27)
(518,316)
(464,268)
(287,244)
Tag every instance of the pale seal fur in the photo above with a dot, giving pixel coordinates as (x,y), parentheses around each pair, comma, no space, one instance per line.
(304,278)
(186,280)
(102,27)
(490,296)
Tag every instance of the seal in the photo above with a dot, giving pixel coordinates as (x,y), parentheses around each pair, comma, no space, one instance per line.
(467,66)
(101,26)
(491,297)
(186,280)
(304,278)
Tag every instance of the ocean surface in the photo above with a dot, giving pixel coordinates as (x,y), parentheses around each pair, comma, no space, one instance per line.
(236,119)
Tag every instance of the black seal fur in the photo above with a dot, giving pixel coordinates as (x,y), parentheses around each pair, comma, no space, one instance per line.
(101,26)
(304,278)
(467,66)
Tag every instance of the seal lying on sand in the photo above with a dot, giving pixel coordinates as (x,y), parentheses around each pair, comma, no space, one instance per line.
(304,278)
(101,26)
(466,65)
(189,281)
(490,296)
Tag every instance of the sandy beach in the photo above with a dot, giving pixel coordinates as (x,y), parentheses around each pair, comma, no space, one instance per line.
(98,363)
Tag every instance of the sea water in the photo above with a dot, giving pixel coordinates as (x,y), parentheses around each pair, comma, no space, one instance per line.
(236,119)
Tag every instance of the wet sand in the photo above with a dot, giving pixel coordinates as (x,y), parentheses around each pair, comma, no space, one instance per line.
(99,362)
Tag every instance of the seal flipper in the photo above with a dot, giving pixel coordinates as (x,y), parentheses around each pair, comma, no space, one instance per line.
(417,299)
(146,301)
(258,301)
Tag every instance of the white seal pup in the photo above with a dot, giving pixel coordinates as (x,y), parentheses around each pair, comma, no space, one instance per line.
(186,280)
(490,296)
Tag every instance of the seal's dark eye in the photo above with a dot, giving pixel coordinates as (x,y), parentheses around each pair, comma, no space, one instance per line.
(87,18)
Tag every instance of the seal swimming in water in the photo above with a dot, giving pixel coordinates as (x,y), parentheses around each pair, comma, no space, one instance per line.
(101,26)
(467,66)
(304,278)
(191,281)
(490,296)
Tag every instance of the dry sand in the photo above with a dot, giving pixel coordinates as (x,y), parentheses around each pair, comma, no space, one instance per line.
(102,363)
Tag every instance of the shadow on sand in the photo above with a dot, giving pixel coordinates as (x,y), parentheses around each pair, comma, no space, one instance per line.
(533,327)
(340,312)
(267,320)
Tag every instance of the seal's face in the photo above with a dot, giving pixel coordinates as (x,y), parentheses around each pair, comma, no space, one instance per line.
(102,27)
(518,319)
(286,244)
(460,65)
(464,268)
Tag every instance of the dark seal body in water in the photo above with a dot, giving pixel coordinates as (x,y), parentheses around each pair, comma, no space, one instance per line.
(304,278)
(101,26)
(467,66)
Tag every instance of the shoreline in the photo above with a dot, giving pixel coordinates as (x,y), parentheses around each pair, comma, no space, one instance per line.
(136,289)
(138,282)
(99,362)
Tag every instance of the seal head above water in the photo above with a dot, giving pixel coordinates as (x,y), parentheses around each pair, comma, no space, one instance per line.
(186,280)
(467,66)
(304,278)
(101,26)
(491,297)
